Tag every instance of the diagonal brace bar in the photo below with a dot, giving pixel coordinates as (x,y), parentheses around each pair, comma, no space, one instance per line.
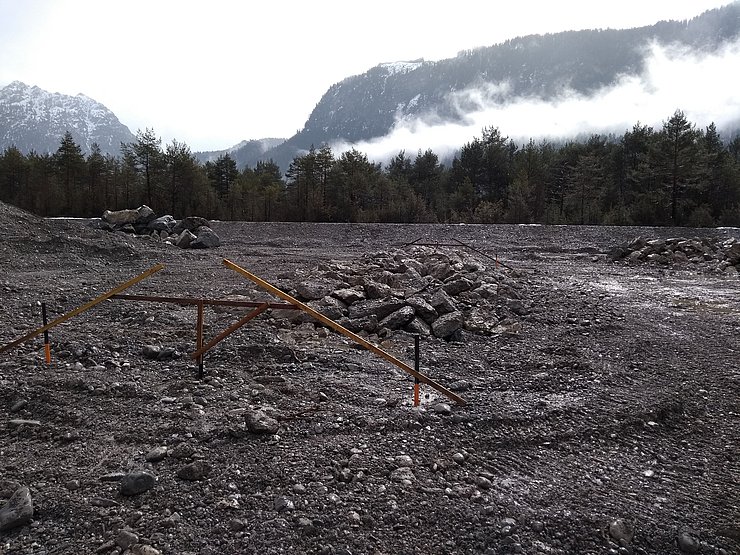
(228,331)
(82,308)
(344,331)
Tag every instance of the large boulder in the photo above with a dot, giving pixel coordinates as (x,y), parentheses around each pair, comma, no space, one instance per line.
(184,239)
(139,217)
(380,308)
(163,223)
(145,213)
(442,302)
(191,223)
(205,238)
(120,217)
(398,319)
(423,309)
(446,325)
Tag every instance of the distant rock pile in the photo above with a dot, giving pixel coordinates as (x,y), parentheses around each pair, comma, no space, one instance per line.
(192,232)
(716,255)
(422,292)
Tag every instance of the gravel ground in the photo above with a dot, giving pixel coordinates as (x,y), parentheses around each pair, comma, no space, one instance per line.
(604,419)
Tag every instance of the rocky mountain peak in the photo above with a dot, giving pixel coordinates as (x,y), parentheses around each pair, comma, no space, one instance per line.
(32,118)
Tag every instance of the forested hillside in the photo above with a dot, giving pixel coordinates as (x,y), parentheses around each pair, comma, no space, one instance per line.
(676,174)
(367,106)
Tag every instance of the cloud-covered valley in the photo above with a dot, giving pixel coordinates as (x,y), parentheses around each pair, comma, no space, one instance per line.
(703,85)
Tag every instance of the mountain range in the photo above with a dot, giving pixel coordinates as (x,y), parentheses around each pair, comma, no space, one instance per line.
(371,105)
(33,119)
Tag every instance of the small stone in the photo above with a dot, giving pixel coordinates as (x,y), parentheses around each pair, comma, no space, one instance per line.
(182,451)
(236,525)
(460,385)
(137,482)
(157,454)
(125,539)
(483,482)
(621,530)
(443,408)
(18,405)
(344,475)
(404,461)
(151,351)
(687,543)
(538,526)
(17,511)
(283,504)
(194,471)
(403,475)
(259,423)
(459,458)
(72,485)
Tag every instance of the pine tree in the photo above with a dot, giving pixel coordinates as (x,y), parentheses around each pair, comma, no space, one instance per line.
(146,155)
(678,149)
(70,165)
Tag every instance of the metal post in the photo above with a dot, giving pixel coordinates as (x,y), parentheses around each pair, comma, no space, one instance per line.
(199,339)
(47,346)
(417,384)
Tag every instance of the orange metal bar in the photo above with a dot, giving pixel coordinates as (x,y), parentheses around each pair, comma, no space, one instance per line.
(344,331)
(82,308)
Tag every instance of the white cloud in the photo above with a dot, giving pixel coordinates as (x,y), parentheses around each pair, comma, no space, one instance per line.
(702,85)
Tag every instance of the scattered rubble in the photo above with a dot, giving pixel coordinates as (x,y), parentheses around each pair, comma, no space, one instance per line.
(192,232)
(601,414)
(710,253)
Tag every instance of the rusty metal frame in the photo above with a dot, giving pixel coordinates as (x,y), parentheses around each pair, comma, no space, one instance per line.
(83,308)
(344,331)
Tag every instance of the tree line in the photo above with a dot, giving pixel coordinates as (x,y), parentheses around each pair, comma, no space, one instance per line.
(675,175)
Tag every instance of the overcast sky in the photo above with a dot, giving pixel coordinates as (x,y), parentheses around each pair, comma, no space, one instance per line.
(213,73)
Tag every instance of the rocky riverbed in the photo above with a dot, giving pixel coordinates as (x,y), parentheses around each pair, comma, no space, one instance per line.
(602,396)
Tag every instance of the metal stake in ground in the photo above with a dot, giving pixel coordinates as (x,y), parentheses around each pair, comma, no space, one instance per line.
(416,367)
(47,346)
(344,331)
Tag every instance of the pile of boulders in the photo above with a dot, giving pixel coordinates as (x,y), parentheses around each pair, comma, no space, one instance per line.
(192,232)
(421,291)
(717,255)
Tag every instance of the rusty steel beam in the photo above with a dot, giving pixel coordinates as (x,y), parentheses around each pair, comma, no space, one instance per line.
(83,308)
(202,349)
(344,331)
(206,302)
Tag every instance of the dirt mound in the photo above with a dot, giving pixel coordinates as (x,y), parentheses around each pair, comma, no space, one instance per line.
(30,238)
